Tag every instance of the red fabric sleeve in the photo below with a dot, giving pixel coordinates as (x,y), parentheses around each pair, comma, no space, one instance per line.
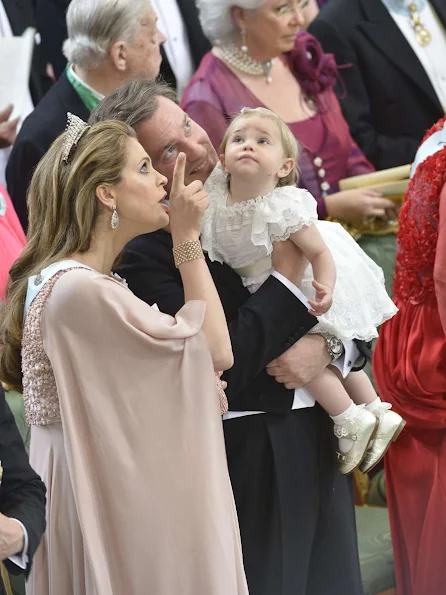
(440,261)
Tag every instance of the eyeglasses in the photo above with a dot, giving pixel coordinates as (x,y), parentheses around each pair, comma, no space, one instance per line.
(292,6)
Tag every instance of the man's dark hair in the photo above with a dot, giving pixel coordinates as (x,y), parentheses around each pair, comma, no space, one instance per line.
(133,103)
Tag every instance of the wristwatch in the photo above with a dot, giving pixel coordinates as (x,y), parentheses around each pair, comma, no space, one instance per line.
(335,346)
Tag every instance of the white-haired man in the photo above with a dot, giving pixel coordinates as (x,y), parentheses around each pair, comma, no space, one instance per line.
(178,20)
(109,42)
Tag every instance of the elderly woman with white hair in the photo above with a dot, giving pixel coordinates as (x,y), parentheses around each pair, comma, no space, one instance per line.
(109,42)
(261,57)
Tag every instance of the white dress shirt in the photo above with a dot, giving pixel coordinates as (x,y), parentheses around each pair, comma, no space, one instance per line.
(21,560)
(432,56)
(171,25)
(302,397)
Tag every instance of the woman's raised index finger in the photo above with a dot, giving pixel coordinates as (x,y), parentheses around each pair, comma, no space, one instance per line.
(178,173)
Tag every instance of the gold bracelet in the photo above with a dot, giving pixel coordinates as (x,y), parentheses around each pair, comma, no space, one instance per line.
(187,251)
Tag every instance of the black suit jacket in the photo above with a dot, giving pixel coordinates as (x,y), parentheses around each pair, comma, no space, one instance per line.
(22,493)
(21,15)
(52,26)
(386,95)
(38,132)
(262,326)
(198,43)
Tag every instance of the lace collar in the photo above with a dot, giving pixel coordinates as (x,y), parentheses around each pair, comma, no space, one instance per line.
(217,188)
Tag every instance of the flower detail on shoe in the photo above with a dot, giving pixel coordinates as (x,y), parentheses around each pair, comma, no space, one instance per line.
(352,427)
(360,427)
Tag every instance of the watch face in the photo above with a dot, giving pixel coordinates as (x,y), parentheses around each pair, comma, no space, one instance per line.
(335,346)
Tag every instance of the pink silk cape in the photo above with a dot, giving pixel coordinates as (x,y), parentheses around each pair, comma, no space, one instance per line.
(139,496)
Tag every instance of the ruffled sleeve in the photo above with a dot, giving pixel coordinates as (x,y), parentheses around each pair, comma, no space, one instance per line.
(281,213)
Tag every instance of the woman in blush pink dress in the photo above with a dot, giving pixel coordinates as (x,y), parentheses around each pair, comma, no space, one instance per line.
(12,238)
(126,428)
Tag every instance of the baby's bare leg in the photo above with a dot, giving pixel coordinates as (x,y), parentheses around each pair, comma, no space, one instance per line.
(359,388)
(329,391)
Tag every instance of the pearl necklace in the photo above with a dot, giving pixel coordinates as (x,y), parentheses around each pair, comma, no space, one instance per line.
(238,59)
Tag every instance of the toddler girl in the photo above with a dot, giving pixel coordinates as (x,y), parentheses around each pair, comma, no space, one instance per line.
(253,203)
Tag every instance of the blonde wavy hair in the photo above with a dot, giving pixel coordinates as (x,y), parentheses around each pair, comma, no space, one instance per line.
(287,138)
(63,213)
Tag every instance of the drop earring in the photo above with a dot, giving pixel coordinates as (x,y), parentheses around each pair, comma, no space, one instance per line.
(244,47)
(115,218)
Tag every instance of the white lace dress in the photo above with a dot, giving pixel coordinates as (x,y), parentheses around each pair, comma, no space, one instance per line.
(241,235)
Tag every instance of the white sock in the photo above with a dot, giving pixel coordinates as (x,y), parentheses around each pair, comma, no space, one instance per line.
(345,444)
(373,405)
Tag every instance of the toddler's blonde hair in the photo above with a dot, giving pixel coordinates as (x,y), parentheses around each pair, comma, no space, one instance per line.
(289,142)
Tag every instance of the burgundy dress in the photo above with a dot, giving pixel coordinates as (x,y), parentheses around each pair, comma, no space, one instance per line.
(215,94)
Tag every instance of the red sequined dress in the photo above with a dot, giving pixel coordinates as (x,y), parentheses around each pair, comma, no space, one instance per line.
(410,370)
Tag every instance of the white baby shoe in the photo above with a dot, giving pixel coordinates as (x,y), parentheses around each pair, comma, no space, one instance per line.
(390,427)
(360,428)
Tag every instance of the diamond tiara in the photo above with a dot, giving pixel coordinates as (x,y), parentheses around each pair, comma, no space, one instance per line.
(73,132)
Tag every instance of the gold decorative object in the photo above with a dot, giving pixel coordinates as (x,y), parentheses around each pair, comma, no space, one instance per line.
(392,184)
(422,35)
(375,227)
(5,577)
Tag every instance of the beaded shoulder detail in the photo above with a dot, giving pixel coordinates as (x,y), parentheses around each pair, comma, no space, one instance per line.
(418,232)
(39,384)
